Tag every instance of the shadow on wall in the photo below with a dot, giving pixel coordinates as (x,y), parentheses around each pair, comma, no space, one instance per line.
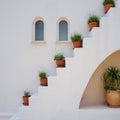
(94,93)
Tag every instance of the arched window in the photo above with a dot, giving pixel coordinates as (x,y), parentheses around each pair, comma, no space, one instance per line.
(39,30)
(63,30)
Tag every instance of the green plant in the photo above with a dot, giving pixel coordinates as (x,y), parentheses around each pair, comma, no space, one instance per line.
(59,56)
(111,78)
(76,37)
(42,75)
(93,18)
(105,2)
(27,94)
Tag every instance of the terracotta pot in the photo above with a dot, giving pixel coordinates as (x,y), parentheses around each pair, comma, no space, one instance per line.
(107,7)
(113,98)
(25,100)
(77,44)
(60,63)
(43,82)
(93,24)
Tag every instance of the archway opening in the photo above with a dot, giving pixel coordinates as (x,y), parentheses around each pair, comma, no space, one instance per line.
(94,93)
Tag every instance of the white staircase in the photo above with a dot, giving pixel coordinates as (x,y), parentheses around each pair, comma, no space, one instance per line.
(61,99)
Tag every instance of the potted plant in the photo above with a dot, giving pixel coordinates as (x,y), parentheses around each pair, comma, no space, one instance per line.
(26,98)
(111,79)
(43,79)
(77,40)
(108,4)
(93,21)
(60,60)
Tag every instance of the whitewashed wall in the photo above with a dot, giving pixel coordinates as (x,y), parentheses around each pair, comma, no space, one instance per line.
(20,59)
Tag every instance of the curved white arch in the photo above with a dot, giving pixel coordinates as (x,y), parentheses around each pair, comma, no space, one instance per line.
(94,92)
(37,18)
(63,18)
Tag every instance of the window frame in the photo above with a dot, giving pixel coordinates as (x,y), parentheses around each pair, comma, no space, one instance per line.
(38,18)
(68,23)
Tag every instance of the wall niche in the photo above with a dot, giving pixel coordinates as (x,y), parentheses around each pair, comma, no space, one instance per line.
(94,93)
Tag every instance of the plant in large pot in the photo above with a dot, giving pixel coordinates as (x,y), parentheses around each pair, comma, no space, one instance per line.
(111,79)
(26,98)
(43,79)
(60,60)
(93,21)
(108,4)
(77,40)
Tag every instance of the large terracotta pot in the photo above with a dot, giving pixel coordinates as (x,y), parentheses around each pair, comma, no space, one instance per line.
(77,44)
(60,63)
(113,98)
(107,7)
(25,100)
(93,24)
(43,82)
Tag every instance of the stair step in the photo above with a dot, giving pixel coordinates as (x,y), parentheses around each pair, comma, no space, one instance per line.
(104,21)
(44,91)
(95,32)
(60,71)
(113,12)
(16,116)
(86,42)
(52,80)
(69,62)
(32,99)
(95,112)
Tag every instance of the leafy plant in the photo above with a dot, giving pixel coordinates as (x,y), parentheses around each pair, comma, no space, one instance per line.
(105,2)
(27,94)
(111,78)
(76,37)
(59,56)
(93,18)
(42,75)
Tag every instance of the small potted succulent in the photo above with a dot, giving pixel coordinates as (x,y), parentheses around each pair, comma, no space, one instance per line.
(77,40)
(111,78)
(26,98)
(43,79)
(60,60)
(93,21)
(108,4)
